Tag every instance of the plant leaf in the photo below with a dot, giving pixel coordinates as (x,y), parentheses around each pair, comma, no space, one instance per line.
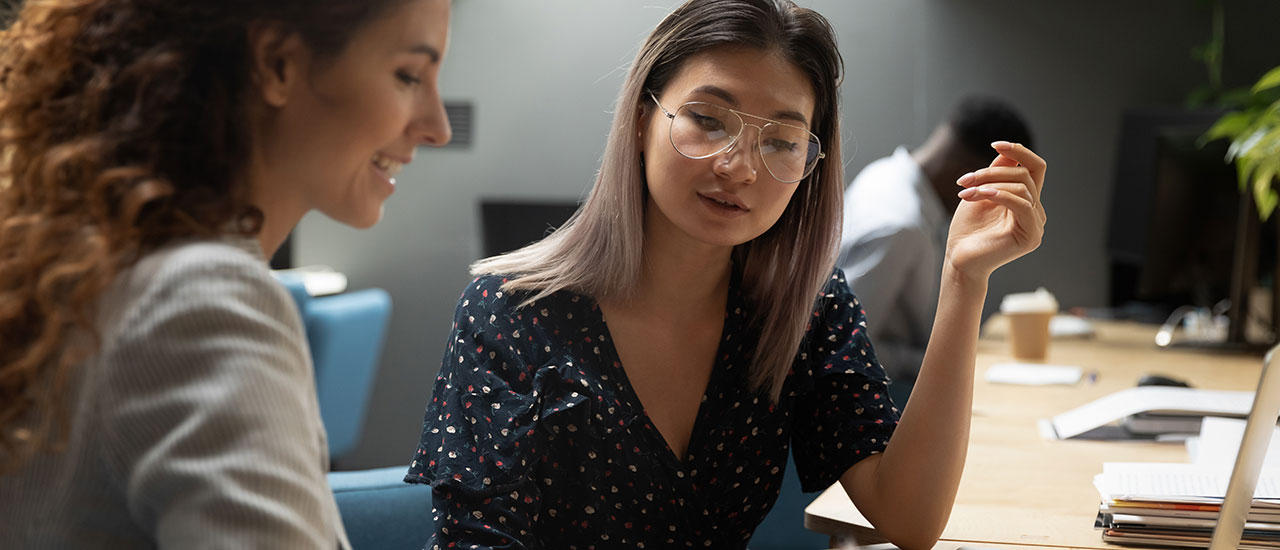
(1268,146)
(1269,80)
(1245,141)
(1264,194)
(1244,169)
(1229,126)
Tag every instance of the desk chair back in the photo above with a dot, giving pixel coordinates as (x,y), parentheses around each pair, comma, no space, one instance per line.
(345,333)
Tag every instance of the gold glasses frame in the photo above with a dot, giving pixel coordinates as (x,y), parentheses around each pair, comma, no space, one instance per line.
(809,167)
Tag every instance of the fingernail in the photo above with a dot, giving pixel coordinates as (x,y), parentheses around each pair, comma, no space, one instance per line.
(967,192)
(965,179)
(1001,145)
(988,191)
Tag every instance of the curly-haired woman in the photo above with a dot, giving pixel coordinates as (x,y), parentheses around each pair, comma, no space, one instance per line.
(155,388)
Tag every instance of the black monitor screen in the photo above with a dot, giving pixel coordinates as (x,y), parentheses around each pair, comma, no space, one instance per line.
(508,225)
(1173,214)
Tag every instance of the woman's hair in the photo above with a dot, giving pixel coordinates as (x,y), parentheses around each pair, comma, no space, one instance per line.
(599,250)
(123,126)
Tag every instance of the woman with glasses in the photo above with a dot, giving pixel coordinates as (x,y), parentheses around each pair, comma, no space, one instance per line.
(637,378)
(155,385)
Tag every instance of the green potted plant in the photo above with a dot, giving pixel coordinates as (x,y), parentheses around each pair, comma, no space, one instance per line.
(1254,131)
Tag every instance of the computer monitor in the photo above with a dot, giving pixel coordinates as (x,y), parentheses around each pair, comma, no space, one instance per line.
(508,225)
(1172,233)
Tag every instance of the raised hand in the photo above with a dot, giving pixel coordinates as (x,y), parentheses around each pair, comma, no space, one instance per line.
(1001,216)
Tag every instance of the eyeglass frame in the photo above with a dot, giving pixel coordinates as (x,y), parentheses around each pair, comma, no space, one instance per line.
(733,142)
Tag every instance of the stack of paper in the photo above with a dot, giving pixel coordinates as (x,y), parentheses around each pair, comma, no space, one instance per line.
(1145,504)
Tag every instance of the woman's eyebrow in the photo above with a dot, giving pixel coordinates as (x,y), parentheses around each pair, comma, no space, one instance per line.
(733,102)
(718,92)
(427,50)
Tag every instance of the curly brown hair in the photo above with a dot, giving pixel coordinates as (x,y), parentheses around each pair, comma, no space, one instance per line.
(122,128)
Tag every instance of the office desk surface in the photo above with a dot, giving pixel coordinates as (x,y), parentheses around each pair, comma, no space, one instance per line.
(1019,488)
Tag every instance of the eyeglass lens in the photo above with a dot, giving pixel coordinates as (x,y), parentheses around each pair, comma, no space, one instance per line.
(700,130)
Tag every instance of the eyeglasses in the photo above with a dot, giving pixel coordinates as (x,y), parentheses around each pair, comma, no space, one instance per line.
(700,130)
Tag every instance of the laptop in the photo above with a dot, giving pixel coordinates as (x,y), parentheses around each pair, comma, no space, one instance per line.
(1249,459)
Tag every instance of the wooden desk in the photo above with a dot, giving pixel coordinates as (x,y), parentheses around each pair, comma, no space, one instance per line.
(1019,489)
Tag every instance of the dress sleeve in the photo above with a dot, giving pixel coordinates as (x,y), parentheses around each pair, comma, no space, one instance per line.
(843,412)
(210,416)
(479,435)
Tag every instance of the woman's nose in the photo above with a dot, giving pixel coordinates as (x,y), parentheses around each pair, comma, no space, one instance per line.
(432,127)
(739,162)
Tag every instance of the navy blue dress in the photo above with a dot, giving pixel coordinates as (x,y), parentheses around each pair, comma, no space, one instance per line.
(534,438)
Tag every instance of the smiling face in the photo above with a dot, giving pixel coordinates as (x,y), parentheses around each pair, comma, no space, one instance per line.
(729,198)
(348,124)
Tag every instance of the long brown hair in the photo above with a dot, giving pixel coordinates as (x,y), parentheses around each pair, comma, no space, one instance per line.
(122,128)
(598,251)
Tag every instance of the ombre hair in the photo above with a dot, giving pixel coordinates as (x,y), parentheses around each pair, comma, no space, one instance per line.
(598,252)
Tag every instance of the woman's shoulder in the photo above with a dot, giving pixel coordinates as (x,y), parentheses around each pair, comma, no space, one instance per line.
(490,297)
(508,333)
(192,262)
(837,290)
(228,275)
(836,305)
(836,336)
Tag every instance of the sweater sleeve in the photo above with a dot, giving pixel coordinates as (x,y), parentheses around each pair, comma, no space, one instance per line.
(212,427)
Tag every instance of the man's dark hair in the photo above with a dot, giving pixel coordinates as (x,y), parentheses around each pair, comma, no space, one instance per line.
(979,120)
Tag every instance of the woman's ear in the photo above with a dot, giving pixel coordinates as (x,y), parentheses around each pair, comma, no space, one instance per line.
(278,62)
(642,126)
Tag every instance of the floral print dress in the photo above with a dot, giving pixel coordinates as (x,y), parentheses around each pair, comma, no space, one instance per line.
(534,438)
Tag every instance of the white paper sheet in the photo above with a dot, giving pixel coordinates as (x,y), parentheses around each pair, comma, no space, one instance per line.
(1031,374)
(1219,442)
(1155,399)
(1174,482)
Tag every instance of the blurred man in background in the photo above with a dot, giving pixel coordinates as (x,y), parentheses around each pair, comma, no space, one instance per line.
(896,215)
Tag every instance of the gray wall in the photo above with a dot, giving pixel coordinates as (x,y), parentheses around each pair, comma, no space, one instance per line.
(543,77)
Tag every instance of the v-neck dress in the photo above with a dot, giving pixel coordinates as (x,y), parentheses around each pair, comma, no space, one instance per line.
(534,437)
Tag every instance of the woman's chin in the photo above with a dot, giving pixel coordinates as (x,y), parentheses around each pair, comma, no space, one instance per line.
(362,219)
(721,236)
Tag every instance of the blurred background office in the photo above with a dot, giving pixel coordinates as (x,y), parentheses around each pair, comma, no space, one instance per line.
(532,85)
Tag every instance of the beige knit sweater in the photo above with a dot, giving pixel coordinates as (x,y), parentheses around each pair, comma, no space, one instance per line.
(194,426)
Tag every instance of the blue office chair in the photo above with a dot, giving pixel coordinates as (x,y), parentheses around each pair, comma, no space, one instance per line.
(382,512)
(783,528)
(345,333)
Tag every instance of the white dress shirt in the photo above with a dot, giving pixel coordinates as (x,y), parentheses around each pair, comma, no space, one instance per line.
(891,250)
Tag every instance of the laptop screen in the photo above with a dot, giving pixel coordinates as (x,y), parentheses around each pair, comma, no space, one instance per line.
(1253,451)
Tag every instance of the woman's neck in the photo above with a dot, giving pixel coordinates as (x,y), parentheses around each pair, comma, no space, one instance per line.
(680,273)
(281,210)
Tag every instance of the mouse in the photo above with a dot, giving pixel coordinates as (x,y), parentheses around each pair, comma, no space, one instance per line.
(1161,380)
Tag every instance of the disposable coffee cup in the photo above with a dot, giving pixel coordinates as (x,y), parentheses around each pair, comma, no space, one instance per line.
(1029,314)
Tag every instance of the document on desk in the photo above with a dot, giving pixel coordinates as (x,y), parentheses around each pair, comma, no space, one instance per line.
(1171,482)
(1033,374)
(1150,399)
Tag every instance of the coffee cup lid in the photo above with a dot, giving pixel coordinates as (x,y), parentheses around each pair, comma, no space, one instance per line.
(1029,302)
